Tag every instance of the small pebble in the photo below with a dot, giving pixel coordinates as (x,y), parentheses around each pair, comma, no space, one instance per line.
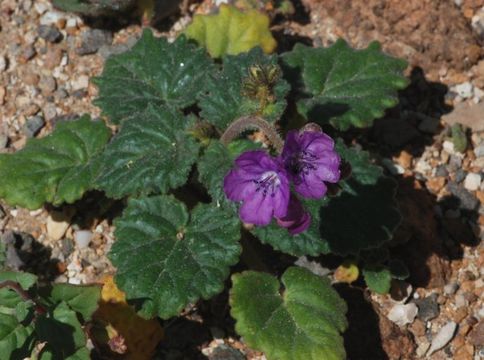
(49,33)
(479,151)
(443,337)
(460,175)
(3,63)
(33,125)
(465,90)
(81,82)
(472,181)
(47,85)
(460,301)
(83,238)
(57,225)
(51,18)
(468,201)
(428,308)
(441,171)
(93,40)
(451,288)
(3,141)
(448,146)
(402,314)
(28,53)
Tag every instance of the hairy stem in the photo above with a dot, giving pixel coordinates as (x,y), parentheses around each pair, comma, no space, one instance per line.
(12,285)
(249,122)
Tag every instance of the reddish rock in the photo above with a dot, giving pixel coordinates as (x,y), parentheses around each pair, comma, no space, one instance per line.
(476,336)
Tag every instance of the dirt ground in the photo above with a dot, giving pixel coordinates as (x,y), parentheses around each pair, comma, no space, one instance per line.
(45,78)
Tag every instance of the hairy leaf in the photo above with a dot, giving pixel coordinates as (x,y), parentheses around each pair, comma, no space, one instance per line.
(343,86)
(55,169)
(231,31)
(378,278)
(151,155)
(168,257)
(225,100)
(152,72)
(305,323)
(370,223)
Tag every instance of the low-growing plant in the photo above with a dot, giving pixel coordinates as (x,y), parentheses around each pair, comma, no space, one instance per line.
(262,135)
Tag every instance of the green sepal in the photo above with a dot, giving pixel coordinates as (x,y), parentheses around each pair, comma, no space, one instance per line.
(224,100)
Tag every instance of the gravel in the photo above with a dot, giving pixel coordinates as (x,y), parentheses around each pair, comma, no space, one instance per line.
(33,125)
(49,33)
(428,308)
(93,40)
(467,200)
(472,181)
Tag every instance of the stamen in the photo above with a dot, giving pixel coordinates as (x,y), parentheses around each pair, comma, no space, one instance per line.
(269,181)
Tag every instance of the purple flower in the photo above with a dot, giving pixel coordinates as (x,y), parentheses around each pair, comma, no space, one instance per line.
(260,182)
(297,218)
(310,160)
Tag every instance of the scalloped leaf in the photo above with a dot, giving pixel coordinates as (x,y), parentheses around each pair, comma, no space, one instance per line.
(377,278)
(80,298)
(371,226)
(55,169)
(151,155)
(224,101)
(306,322)
(153,72)
(170,258)
(344,86)
(231,31)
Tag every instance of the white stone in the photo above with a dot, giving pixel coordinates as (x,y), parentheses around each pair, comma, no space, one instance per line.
(422,166)
(478,93)
(479,151)
(71,22)
(477,22)
(465,90)
(443,337)
(448,147)
(460,301)
(51,18)
(395,169)
(422,348)
(312,266)
(40,7)
(83,238)
(403,314)
(472,181)
(82,82)
(56,229)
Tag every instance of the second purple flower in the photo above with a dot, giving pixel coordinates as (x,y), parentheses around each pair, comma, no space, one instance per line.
(311,160)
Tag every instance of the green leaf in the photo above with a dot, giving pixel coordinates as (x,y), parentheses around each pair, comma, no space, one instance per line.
(305,322)
(225,101)
(62,331)
(346,224)
(378,278)
(14,338)
(53,169)
(343,86)
(80,298)
(363,219)
(212,167)
(231,31)
(170,258)
(152,154)
(25,280)
(152,72)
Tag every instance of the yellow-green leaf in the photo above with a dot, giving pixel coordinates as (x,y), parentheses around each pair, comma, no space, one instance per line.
(231,31)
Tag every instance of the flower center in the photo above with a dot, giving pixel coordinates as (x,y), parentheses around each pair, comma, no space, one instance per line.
(268,183)
(301,163)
